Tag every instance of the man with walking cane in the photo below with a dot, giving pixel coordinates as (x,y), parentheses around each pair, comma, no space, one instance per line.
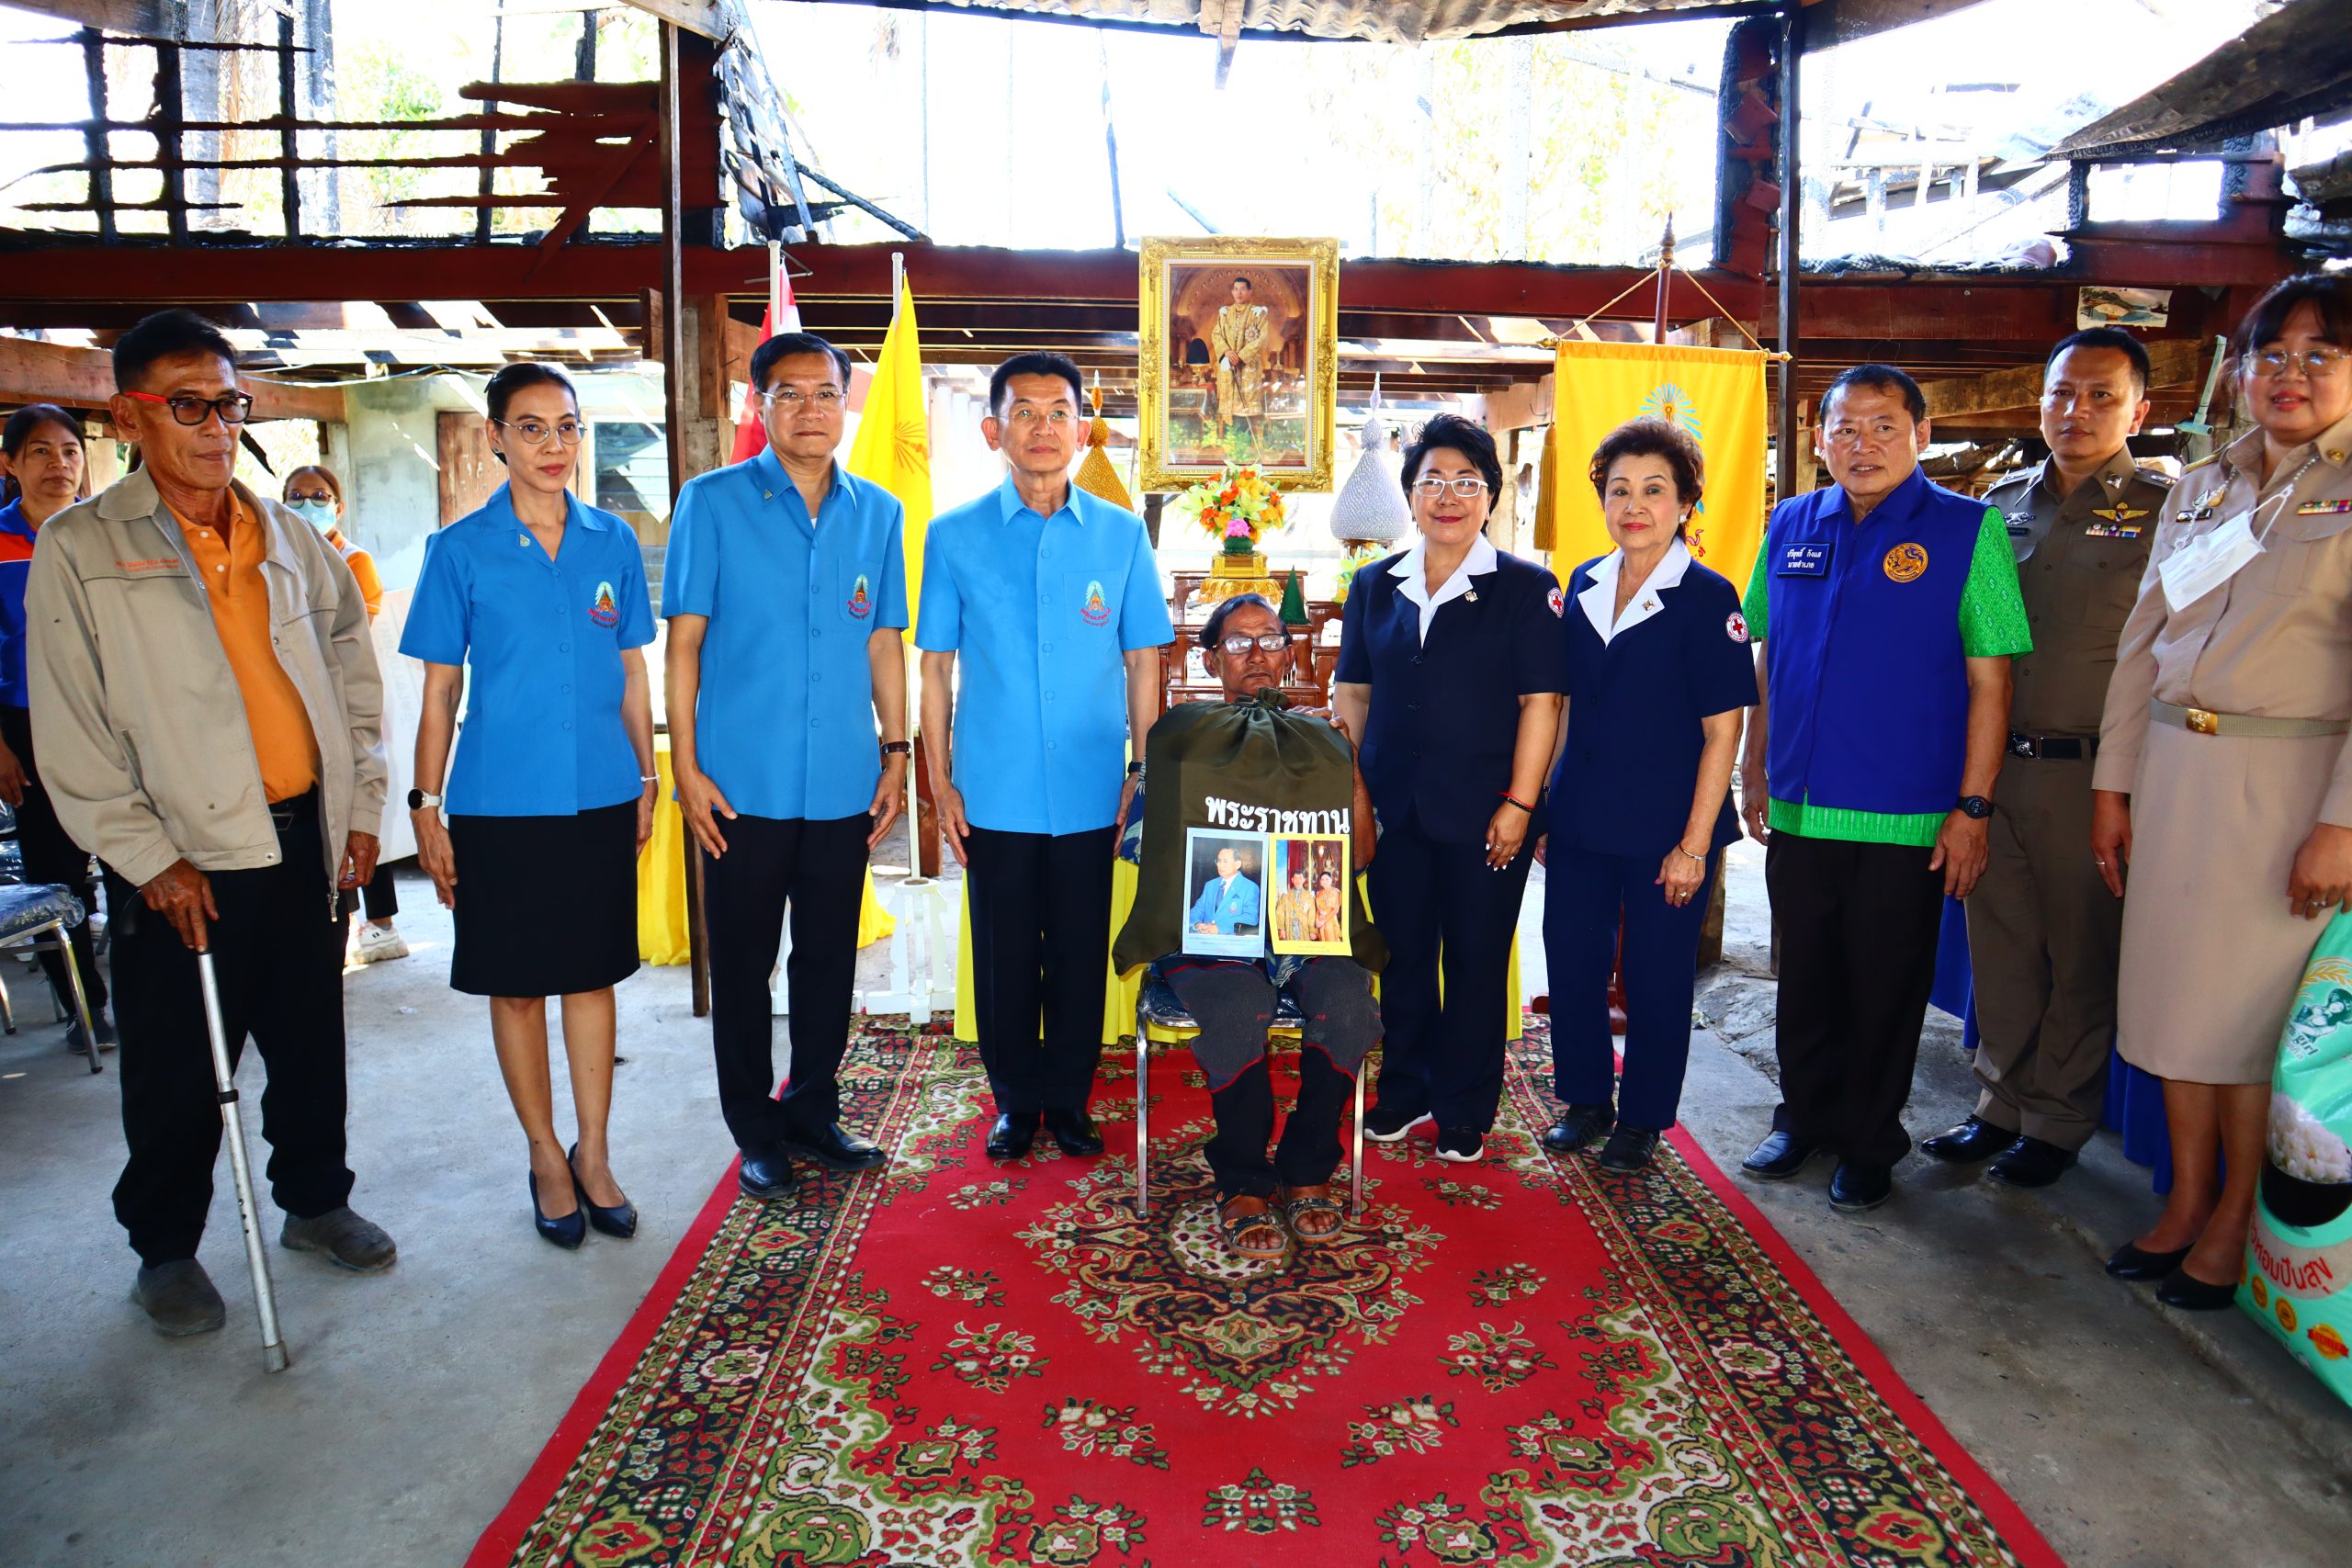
(206,706)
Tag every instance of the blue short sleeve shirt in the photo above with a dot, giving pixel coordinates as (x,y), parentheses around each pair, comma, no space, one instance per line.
(1040,612)
(17,536)
(783,720)
(542,640)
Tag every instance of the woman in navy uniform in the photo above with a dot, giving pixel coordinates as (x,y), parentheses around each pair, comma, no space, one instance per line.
(551,793)
(1659,675)
(1450,668)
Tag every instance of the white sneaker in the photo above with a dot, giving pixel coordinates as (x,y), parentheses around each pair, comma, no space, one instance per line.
(377,944)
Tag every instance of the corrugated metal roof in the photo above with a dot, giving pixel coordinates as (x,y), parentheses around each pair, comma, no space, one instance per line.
(1387,21)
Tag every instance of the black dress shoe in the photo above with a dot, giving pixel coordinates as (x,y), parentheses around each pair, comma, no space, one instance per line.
(2031,1161)
(2184,1290)
(1580,1126)
(767,1175)
(1014,1133)
(838,1150)
(1857,1185)
(1073,1132)
(568,1232)
(1973,1140)
(619,1220)
(1778,1157)
(1628,1149)
(2128,1262)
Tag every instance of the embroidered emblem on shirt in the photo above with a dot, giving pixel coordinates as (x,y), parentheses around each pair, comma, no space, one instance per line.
(1557,602)
(2019,521)
(1094,612)
(2323,508)
(2202,507)
(601,609)
(861,602)
(1905,563)
(1736,626)
(2119,513)
(164,563)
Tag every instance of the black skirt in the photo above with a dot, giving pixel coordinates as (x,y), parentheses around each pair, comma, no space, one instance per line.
(545,905)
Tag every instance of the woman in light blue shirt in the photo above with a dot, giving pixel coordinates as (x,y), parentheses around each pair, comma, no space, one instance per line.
(550,796)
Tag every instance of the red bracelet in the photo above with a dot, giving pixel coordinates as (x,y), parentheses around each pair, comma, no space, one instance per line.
(1516,801)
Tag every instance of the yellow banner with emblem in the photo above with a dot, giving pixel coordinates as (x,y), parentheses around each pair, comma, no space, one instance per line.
(1716,394)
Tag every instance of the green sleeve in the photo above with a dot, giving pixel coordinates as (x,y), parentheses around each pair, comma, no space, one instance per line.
(1752,609)
(1992,610)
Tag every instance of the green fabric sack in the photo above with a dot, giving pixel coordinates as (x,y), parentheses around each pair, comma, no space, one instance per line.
(2298,1278)
(1242,769)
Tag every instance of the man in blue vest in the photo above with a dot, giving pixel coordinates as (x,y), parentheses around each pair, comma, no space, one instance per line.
(1884,611)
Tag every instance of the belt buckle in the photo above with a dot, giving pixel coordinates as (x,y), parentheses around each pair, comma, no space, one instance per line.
(2023,746)
(2201,722)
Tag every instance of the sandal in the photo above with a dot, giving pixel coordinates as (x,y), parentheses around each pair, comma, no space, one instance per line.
(1237,1227)
(1292,1207)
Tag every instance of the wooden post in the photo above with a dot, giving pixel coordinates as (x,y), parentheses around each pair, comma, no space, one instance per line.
(290,178)
(93,140)
(171,106)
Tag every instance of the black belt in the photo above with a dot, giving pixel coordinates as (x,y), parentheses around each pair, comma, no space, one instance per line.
(2054,747)
(296,811)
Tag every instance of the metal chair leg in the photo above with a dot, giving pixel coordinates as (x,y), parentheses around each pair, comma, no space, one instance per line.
(1355,1175)
(81,1000)
(1143,1112)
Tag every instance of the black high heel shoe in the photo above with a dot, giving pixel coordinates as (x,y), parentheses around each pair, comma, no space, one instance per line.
(567,1231)
(618,1221)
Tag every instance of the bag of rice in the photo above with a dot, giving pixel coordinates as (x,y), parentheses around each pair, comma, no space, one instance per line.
(2298,1281)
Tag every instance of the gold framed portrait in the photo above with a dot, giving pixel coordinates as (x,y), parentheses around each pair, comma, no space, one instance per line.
(1240,361)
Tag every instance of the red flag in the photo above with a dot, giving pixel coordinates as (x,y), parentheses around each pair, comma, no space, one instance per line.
(781,316)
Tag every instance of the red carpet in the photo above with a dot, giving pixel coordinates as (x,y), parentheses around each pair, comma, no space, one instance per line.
(953,1365)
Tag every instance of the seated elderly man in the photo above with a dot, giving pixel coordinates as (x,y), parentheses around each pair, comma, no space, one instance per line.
(1233,1000)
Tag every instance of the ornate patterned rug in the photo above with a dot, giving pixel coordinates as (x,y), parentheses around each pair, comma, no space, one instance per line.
(956,1365)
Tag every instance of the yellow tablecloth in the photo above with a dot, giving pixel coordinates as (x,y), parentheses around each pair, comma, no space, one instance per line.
(661,882)
(1119,992)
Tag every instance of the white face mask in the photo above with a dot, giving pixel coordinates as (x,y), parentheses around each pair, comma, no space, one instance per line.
(319,515)
(2200,567)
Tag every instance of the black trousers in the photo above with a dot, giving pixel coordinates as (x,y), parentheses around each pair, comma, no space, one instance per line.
(1234,1003)
(50,857)
(819,868)
(1858,929)
(277,954)
(1439,903)
(1041,945)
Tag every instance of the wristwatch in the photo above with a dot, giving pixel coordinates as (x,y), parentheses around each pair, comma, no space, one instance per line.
(418,800)
(1976,806)
(898,748)
(1134,770)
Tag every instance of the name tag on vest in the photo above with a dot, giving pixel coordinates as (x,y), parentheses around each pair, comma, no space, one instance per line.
(1804,561)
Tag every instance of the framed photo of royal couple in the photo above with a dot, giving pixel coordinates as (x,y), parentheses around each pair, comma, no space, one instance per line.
(1240,361)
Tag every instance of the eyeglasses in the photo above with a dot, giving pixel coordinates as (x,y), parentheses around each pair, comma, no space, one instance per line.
(1265,642)
(825,400)
(323,497)
(531,433)
(1465,487)
(2313,362)
(191,410)
(1026,418)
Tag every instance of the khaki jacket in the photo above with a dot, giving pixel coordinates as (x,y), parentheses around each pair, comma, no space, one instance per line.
(2276,640)
(138,722)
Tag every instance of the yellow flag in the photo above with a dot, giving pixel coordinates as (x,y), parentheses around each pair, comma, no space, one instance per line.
(893,446)
(1716,394)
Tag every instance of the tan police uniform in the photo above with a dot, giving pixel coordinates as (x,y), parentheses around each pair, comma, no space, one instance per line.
(2226,723)
(2042,929)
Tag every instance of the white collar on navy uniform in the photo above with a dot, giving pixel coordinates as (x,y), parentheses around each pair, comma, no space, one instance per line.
(1599,600)
(1413,579)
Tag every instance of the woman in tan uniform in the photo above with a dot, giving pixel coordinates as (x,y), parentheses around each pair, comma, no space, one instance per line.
(2223,777)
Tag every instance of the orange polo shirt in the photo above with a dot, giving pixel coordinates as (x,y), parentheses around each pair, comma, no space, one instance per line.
(283,741)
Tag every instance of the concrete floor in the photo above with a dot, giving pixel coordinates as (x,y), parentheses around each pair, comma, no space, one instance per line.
(2134,1436)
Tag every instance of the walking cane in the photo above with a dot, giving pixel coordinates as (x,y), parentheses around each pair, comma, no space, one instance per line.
(273,1345)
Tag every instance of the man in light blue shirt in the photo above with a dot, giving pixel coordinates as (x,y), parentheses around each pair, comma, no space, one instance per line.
(786,593)
(1051,598)
(1228,902)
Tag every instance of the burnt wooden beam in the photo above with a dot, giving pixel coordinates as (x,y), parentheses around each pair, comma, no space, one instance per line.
(83,378)
(2175,362)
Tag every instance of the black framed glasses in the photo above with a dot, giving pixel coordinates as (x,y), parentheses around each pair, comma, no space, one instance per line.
(189,409)
(1265,642)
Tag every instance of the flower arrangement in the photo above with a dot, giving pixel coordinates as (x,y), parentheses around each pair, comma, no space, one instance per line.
(1237,509)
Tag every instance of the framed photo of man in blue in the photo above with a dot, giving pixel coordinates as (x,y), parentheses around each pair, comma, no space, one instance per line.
(1225,892)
